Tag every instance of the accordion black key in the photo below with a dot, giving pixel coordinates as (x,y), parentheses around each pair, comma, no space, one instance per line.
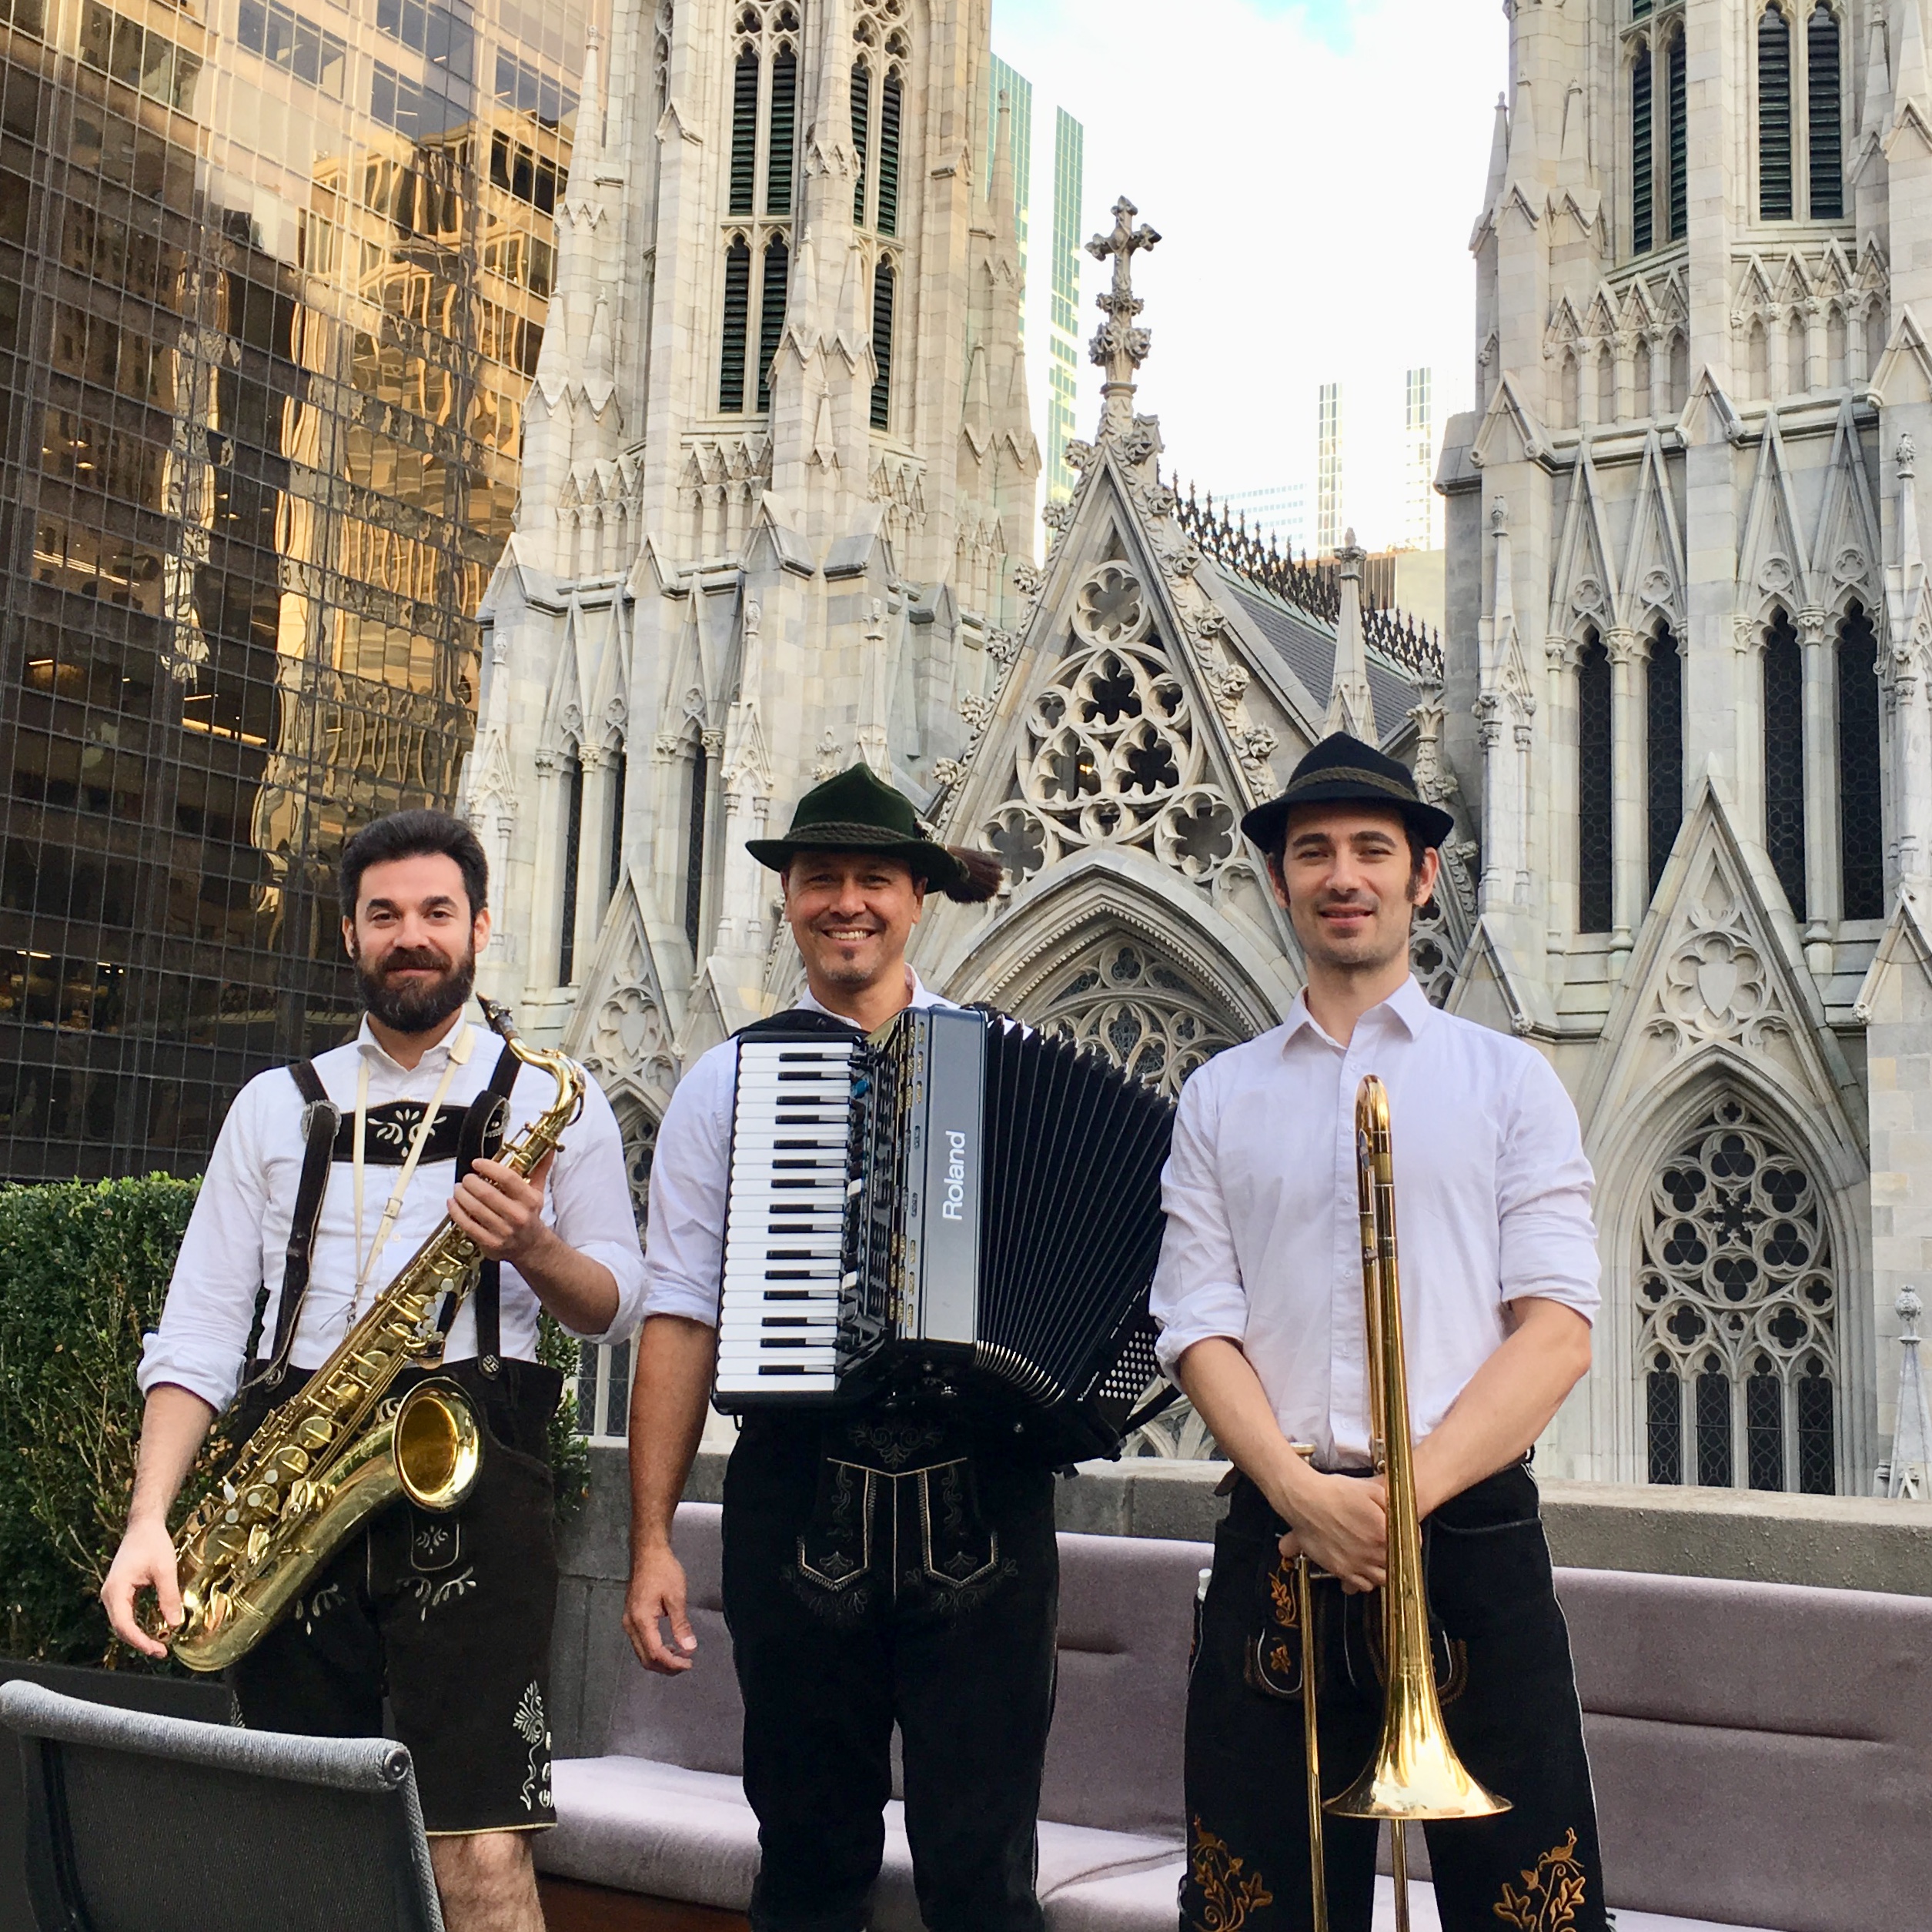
(954,1205)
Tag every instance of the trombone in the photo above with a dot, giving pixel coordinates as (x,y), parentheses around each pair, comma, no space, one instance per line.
(1415,1776)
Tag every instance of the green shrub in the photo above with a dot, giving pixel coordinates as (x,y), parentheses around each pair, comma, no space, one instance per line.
(84,1268)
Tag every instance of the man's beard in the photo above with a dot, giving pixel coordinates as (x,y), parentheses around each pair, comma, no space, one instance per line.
(419,1008)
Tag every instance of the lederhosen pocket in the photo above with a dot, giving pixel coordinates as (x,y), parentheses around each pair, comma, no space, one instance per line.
(959,1550)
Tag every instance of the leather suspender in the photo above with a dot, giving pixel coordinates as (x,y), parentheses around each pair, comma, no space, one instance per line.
(481,1137)
(320,1118)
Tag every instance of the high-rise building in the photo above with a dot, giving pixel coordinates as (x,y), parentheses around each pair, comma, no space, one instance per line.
(1063,337)
(273,275)
(1420,524)
(1276,513)
(1328,522)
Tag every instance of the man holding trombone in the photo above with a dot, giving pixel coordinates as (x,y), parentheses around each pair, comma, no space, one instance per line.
(1382,1536)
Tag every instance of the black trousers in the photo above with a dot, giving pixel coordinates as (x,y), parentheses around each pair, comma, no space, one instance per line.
(887,1570)
(448,1617)
(1509,1699)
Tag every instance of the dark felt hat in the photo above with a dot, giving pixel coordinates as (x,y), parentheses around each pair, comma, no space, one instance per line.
(858,811)
(1342,770)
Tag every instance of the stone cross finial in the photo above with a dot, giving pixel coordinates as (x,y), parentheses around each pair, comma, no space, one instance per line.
(1118,346)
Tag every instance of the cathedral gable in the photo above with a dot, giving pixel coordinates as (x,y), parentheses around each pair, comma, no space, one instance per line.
(1773,559)
(624,1025)
(1653,581)
(1718,974)
(1586,579)
(1846,553)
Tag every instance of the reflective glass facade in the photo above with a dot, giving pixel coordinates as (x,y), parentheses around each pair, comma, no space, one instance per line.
(272,279)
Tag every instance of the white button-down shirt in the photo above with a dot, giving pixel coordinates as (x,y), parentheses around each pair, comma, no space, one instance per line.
(690,1176)
(238,1235)
(1263,1241)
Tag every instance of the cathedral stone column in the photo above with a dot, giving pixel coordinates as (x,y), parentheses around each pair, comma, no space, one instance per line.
(1821,895)
(593,850)
(546,907)
(1627,653)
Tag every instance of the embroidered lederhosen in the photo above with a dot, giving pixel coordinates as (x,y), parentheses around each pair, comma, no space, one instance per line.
(447,1617)
(1509,1700)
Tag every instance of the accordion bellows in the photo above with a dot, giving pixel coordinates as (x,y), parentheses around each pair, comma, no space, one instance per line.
(954,1205)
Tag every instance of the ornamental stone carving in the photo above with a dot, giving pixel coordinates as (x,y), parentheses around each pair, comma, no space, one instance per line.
(1715,986)
(629,1041)
(1121,996)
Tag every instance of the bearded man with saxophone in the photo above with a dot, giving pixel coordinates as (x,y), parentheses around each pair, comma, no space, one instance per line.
(325,1179)
(1260,1297)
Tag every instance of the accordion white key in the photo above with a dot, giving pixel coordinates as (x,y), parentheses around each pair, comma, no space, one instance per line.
(954,1205)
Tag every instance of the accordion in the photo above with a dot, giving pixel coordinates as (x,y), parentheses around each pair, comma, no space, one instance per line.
(954,1205)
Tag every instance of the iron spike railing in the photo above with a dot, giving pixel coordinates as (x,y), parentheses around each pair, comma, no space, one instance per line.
(1307,586)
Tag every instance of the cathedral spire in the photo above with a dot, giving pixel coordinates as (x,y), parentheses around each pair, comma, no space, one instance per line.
(1523,171)
(1498,156)
(1120,346)
(1909,89)
(1352,706)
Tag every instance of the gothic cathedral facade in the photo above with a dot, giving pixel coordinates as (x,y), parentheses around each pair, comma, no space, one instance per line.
(777,515)
(1687,690)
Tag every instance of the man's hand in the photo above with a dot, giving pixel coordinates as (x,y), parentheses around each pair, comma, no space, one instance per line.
(1342,1525)
(144,1560)
(657,1590)
(501,1212)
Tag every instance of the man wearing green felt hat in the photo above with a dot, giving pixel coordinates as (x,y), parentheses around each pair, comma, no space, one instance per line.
(883,1567)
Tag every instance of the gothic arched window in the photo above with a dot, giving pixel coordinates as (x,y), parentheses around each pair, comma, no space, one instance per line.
(891,114)
(782,137)
(861,133)
(1861,819)
(620,768)
(1824,116)
(744,130)
(566,945)
(1784,759)
(883,283)
(772,313)
(1593,787)
(1664,735)
(694,805)
(1642,196)
(1676,148)
(1736,1301)
(737,317)
(1774,202)
(1124,998)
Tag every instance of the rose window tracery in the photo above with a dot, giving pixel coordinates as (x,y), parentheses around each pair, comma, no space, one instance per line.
(1737,1302)
(1110,754)
(1125,999)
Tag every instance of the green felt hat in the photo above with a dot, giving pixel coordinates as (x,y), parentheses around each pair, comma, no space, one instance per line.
(858,811)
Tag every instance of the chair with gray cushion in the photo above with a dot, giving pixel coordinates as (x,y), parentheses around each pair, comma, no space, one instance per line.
(141,1824)
(1762,1755)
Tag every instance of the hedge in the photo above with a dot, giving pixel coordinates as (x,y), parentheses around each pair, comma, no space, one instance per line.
(84,1267)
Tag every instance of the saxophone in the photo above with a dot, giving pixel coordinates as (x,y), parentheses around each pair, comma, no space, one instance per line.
(336,1451)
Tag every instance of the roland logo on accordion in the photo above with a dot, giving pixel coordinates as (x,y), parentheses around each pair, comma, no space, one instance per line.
(954,1207)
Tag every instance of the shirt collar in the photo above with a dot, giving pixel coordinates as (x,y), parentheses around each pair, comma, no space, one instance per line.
(808,1003)
(457,1044)
(1407,1006)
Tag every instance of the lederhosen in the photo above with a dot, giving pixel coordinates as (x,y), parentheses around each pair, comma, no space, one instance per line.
(894,1564)
(1509,1699)
(447,1618)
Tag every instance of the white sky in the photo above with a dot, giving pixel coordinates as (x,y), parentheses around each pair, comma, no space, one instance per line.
(1314,171)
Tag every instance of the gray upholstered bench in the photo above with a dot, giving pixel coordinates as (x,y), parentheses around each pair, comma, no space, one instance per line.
(1762,1755)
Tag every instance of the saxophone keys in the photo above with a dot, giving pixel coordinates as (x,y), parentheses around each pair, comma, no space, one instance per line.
(291,1463)
(315,1433)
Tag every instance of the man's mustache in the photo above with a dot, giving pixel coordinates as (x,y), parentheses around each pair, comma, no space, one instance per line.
(414,958)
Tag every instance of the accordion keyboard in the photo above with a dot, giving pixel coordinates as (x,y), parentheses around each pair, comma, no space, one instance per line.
(778,1314)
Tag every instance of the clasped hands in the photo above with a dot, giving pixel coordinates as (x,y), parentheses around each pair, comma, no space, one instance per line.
(1342,1523)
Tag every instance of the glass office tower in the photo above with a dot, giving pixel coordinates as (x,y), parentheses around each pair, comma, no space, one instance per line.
(273,280)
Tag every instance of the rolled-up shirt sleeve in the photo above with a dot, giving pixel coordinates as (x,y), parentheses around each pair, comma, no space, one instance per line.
(210,1306)
(1548,1249)
(690,1179)
(1197,1290)
(590,1207)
